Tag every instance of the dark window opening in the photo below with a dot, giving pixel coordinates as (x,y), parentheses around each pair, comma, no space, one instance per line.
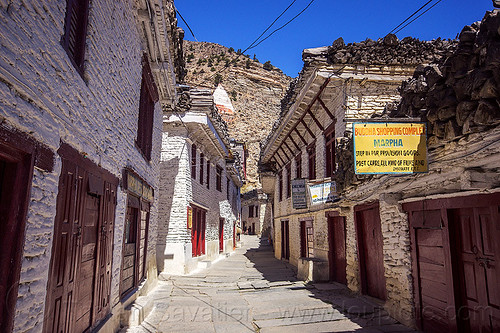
(75,32)
(193,161)
(306,239)
(330,152)
(311,156)
(288,180)
(298,166)
(202,165)
(148,98)
(250,211)
(218,180)
(280,186)
(227,188)
(208,174)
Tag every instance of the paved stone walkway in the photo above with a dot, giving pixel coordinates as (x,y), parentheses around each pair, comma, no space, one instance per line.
(251,291)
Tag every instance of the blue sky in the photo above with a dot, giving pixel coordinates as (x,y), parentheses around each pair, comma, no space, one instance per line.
(238,23)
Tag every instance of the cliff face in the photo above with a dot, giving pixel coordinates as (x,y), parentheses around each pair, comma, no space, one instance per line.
(255,90)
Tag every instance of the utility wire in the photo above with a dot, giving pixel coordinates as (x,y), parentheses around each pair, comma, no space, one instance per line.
(284,25)
(418,16)
(269,27)
(183,20)
(409,17)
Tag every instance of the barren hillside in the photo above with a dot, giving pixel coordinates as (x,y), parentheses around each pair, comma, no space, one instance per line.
(255,90)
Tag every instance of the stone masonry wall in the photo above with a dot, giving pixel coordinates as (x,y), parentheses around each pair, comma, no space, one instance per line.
(179,189)
(42,94)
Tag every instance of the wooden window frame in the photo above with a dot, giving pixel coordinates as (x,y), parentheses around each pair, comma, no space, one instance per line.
(202,165)
(148,98)
(208,173)
(311,159)
(193,161)
(280,185)
(306,238)
(329,134)
(73,41)
(288,169)
(298,166)
(218,180)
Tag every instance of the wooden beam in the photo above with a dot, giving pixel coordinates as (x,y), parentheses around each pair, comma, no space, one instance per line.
(284,153)
(321,128)
(286,144)
(307,128)
(300,136)
(325,108)
(277,154)
(277,162)
(293,141)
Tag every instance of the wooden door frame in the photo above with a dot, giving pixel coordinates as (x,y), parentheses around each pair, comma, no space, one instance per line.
(221,233)
(444,205)
(69,154)
(330,215)
(23,152)
(285,246)
(360,246)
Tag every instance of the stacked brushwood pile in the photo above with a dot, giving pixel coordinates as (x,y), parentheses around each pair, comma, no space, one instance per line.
(457,95)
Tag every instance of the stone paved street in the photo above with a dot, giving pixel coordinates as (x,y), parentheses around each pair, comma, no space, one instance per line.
(251,291)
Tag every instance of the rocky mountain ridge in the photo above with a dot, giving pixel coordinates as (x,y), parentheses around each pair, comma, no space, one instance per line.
(255,90)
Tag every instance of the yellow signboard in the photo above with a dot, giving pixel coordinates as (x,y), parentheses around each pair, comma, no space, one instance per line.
(389,148)
(189,217)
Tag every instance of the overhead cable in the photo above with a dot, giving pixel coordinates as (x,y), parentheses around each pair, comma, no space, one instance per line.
(418,16)
(284,25)
(409,17)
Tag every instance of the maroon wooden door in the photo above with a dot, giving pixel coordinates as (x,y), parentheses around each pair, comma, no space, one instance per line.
(80,268)
(336,253)
(87,237)
(105,256)
(15,178)
(65,253)
(129,274)
(476,237)
(285,238)
(370,251)
(221,235)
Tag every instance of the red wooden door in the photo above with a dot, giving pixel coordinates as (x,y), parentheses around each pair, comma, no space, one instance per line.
(194,234)
(285,238)
(370,251)
(336,254)
(476,235)
(221,235)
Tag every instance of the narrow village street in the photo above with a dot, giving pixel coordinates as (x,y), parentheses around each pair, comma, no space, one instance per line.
(251,291)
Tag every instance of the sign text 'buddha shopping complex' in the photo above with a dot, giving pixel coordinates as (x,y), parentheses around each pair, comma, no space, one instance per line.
(389,148)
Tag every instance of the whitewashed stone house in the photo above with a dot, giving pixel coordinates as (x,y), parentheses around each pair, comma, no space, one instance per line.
(337,86)
(256,213)
(81,88)
(199,187)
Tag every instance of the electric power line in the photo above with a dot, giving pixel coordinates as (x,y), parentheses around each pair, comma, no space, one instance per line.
(269,27)
(418,16)
(284,25)
(409,17)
